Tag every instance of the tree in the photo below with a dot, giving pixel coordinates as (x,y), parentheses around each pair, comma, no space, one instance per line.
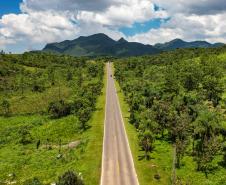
(146,142)
(92,69)
(212,75)
(69,178)
(207,145)
(69,75)
(25,136)
(59,109)
(51,75)
(80,78)
(6,107)
(84,116)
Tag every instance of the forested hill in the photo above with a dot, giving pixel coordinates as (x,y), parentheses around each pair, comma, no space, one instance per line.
(102,45)
(178,43)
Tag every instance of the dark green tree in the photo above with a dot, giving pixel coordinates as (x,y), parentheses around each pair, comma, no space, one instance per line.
(69,178)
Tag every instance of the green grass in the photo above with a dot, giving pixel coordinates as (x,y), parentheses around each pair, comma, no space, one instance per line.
(161,160)
(31,103)
(28,162)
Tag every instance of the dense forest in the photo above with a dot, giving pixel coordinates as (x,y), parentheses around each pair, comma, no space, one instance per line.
(177,103)
(46,103)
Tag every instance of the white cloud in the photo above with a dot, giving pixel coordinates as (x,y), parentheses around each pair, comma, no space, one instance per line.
(211,28)
(36,28)
(200,7)
(123,15)
(55,20)
(156,35)
(44,21)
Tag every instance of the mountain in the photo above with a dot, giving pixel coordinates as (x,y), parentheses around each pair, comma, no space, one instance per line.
(99,45)
(178,43)
(102,45)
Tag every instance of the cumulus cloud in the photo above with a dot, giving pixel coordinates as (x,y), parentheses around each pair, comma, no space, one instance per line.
(124,14)
(71,5)
(42,21)
(201,7)
(37,26)
(211,28)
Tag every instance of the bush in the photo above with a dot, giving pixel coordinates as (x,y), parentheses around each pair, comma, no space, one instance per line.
(37,88)
(6,107)
(69,178)
(25,136)
(59,109)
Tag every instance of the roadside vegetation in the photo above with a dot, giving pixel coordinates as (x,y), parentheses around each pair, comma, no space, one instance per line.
(51,117)
(175,105)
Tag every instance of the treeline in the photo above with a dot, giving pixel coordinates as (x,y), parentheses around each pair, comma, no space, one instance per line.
(177,96)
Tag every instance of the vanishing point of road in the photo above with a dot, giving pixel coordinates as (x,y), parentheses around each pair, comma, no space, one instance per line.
(117,162)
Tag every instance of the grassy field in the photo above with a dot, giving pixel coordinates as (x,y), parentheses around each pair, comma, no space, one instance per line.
(55,154)
(161,160)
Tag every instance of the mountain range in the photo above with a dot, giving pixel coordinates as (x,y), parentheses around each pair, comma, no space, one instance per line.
(102,45)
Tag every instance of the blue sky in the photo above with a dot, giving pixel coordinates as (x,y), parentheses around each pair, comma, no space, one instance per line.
(13,6)
(145,21)
(9,6)
(138,28)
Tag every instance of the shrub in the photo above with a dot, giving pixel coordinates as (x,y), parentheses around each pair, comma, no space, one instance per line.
(59,109)
(37,88)
(25,136)
(6,107)
(69,178)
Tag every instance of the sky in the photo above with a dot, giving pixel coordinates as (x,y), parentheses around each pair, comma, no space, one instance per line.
(31,24)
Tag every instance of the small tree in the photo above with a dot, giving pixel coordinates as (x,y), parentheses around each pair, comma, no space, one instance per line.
(6,107)
(59,109)
(84,116)
(25,136)
(51,75)
(146,142)
(69,75)
(69,178)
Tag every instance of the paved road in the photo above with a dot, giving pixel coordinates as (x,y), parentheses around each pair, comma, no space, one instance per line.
(117,162)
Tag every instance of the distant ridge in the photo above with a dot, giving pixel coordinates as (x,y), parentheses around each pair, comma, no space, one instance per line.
(102,45)
(178,43)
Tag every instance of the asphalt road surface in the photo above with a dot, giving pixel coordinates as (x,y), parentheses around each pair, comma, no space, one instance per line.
(117,162)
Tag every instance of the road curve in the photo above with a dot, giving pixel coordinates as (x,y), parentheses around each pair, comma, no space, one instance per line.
(117,162)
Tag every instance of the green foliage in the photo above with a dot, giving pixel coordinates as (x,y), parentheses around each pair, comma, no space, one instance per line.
(25,136)
(6,107)
(31,137)
(177,97)
(69,178)
(146,142)
(59,109)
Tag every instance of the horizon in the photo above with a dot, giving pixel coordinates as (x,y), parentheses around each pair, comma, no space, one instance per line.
(137,42)
(30,24)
